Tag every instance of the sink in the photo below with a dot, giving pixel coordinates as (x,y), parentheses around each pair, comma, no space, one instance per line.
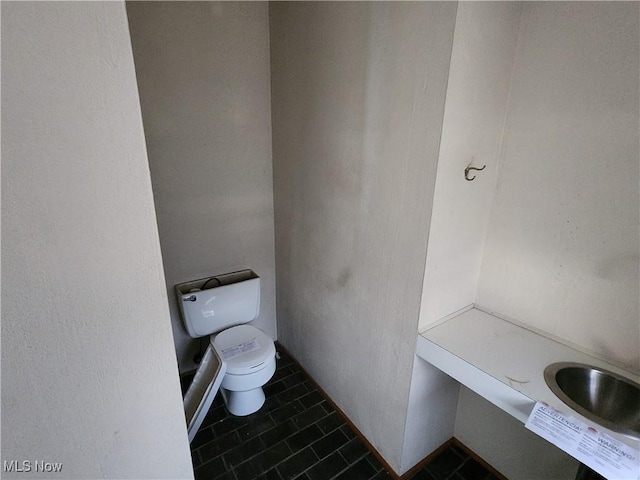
(604,397)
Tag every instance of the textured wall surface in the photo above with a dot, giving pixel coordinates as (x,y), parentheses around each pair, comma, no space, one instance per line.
(480,74)
(562,251)
(89,376)
(203,75)
(358,93)
(431,412)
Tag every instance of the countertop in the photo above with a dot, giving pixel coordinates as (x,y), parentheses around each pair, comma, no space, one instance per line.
(504,362)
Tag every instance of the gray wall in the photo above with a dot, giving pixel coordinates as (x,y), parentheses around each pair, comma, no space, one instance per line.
(203,75)
(358,93)
(89,376)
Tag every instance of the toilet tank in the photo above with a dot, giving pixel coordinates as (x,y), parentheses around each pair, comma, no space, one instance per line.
(211,304)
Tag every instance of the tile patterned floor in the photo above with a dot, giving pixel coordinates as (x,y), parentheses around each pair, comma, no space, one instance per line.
(298,435)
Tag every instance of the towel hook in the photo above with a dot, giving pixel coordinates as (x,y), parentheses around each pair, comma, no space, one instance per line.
(468,169)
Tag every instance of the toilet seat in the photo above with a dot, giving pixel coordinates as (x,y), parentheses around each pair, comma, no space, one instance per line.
(244,348)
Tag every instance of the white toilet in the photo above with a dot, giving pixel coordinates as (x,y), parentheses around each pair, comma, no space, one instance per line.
(222,305)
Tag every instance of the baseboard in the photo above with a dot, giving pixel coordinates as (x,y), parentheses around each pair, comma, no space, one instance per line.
(477,458)
(412,471)
(361,436)
(344,417)
(418,466)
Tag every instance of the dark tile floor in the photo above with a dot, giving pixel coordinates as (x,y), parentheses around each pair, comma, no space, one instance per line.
(298,435)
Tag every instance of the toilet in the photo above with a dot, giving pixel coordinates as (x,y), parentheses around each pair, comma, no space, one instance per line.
(220,307)
(248,372)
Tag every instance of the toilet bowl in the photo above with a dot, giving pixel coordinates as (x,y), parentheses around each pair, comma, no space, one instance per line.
(250,356)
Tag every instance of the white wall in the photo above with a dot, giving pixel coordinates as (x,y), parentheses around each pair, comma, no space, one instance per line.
(431,412)
(561,252)
(203,74)
(480,72)
(506,445)
(89,377)
(357,96)
(478,86)
(563,242)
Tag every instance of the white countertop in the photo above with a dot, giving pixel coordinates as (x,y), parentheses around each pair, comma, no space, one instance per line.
(504,362)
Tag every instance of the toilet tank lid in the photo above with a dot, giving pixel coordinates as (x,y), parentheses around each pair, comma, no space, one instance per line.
(243,347)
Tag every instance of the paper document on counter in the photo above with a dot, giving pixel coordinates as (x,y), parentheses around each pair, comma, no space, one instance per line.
(588,444)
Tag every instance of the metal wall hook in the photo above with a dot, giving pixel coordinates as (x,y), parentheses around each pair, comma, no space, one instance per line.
(468,169)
